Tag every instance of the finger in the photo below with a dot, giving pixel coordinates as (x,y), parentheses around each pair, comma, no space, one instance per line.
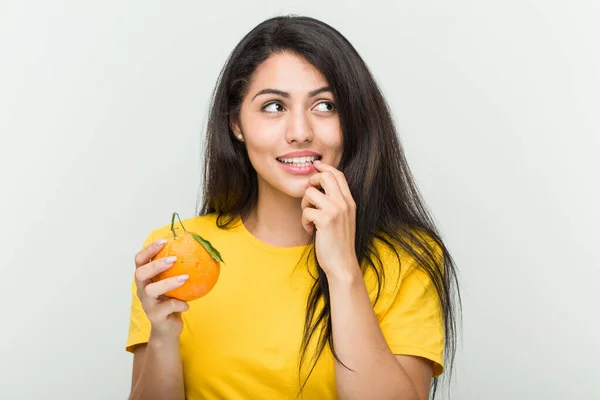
(145,255)
(309,216)
(327,181)
(340,178)
(153,290)
(312,197)
(315,181)
(170,306)
(150,270)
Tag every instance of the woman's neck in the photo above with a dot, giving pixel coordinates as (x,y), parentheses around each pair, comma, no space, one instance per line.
(277,220)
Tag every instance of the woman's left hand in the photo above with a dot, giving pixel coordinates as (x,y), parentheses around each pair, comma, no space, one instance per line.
(334,217)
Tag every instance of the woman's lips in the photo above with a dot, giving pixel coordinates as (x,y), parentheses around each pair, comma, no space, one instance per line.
(298,170)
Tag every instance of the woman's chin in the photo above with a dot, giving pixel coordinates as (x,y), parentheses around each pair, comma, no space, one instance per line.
(297,194)
(295,191)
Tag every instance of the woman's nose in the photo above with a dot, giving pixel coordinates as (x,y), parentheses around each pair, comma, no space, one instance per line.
(298,128)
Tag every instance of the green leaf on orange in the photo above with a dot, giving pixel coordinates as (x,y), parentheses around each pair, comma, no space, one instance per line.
(209,247)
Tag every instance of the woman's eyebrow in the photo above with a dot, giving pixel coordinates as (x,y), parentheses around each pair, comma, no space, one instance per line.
(319,91)
(287,95)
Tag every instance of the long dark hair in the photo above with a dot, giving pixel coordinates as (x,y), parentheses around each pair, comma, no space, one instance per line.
(389,205)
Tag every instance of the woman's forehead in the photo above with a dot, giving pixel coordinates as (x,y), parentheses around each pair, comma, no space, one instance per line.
(288,73)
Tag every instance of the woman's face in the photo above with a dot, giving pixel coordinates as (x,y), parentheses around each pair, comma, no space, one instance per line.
(288,108)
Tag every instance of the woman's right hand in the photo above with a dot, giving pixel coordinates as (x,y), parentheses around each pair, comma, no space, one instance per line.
(163,312)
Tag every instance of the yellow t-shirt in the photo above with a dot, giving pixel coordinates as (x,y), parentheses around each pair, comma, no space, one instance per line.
(242,339)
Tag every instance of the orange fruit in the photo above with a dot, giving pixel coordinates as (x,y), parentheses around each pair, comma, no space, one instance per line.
(196,257)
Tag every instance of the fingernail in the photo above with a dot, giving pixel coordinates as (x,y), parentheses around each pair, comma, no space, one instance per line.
(160,242)
(182,278)
(170,260)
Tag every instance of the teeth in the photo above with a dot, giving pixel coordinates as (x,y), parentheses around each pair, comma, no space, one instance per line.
(298,160)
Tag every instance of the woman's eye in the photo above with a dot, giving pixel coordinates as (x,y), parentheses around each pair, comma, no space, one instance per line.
(273,108)
(325,106)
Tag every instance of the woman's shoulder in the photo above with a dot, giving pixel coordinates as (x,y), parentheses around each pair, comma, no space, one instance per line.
(414,242)
(399,264)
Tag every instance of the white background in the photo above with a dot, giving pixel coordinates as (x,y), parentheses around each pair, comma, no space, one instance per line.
(102,113)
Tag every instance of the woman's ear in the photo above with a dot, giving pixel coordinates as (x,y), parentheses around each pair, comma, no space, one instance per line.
(235,128)
(234,125)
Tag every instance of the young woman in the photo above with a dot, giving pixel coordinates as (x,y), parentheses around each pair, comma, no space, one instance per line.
(337,283)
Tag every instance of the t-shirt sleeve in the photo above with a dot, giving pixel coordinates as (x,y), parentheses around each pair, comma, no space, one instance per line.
(139,324)
(413,324)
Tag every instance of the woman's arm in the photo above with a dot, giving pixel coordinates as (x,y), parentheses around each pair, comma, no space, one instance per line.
(157,371)
(361,346)
(358,339)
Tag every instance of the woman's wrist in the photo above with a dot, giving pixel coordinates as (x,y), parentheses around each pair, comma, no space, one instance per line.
(160,340)
(346,277)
